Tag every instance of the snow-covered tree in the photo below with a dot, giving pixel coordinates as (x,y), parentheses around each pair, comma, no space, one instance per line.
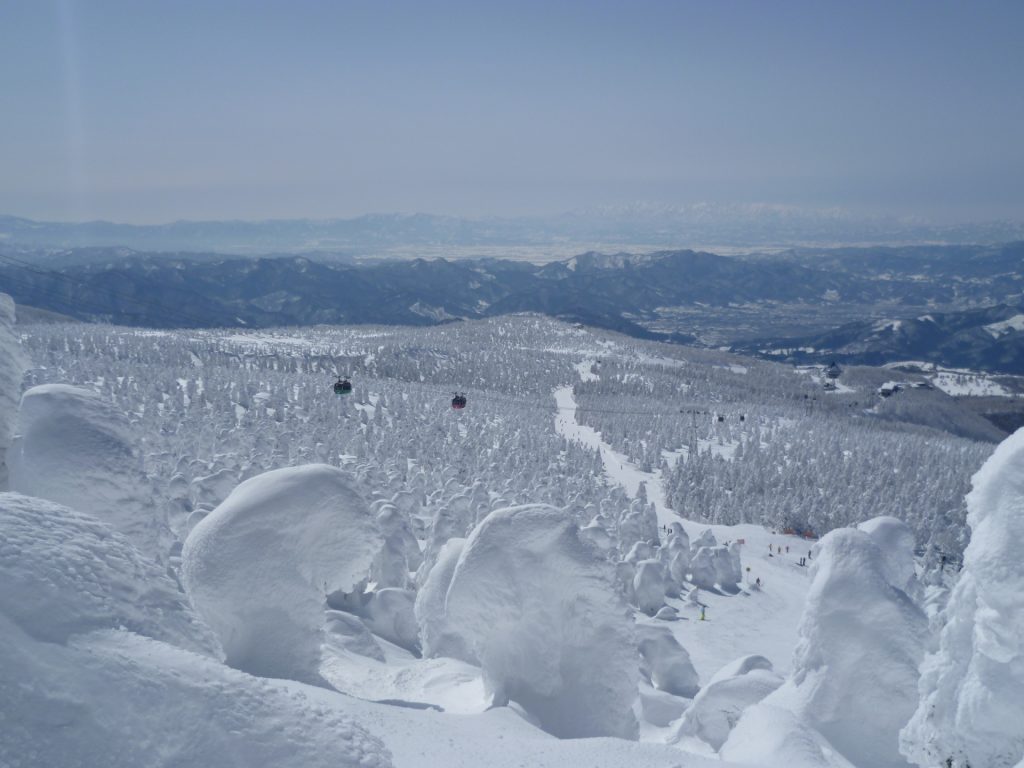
(536,604)
(860,642)
(971,711)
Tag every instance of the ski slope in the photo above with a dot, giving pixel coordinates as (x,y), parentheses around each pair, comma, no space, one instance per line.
(757,620)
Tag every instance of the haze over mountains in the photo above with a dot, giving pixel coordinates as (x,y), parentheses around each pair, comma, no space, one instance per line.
(937,303)
(653,225)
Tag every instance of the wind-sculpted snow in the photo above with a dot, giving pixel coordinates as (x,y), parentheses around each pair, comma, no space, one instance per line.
(664,662)
(65,573)
(861,640)
(649,586)
(400,553)
(12,363)
(896,541)
(437,638)
(538,607)
(118,700)
(767,735)
(721,703)
(972,688)
(75,448)
(259,567)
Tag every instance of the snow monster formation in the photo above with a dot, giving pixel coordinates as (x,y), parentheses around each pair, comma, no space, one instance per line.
(972,688)
(103,662)
(67,573)
(861,640)
(75,448)
(537,605)
(12,366)
(260,566)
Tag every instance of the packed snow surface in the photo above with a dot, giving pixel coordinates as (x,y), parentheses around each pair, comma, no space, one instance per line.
(260,566)
(972,688)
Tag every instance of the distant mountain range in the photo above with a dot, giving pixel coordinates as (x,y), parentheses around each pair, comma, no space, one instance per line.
(630,225)
(989,339)
(943,290)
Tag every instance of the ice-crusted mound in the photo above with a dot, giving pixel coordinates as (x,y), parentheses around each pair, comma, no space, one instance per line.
(716,565)
(119,700)
(664,662)
(860,643)
(537,605)
(702,568)
(649,586)
(639,522)
(721,703)
(451,520)
(400,553)
(389,613)
(768,735)
(258,568)
(706,539)
(971,708)
(897,543)
(75,448)
(65,573)
(436,637)
(728,566)
(12,366)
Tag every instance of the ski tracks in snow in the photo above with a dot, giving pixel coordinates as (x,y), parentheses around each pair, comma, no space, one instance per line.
(617,467)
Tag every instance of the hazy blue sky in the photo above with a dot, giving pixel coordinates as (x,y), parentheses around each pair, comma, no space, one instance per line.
(150,111)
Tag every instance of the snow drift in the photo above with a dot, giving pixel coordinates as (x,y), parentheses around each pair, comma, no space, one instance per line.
(537,605)
(436,637)
(721,703)
(75,448)
(115,699)
(664,662)
(972,688)
(860,643)
(65,573)
(772,736)
(258,568)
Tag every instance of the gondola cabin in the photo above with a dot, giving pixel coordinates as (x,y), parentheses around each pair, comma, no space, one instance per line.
(459,402)
(342,387)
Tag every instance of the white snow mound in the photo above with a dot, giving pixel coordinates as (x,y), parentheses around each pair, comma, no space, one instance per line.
(436,638)
(258,568)
(75,448)
(721,703)
(772,736)
(860,642)
(897,543)
(65,573)
(664,662)
(537,605)
(12,367)
(972,688)
(118,700)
